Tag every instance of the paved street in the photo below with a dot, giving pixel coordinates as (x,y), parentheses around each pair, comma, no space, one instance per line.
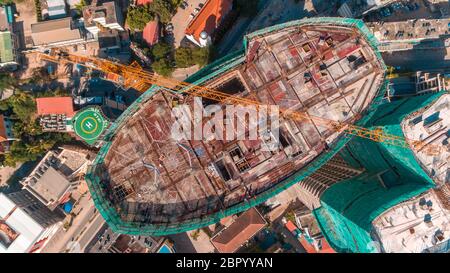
(91,231)
(105,238)
(63,239)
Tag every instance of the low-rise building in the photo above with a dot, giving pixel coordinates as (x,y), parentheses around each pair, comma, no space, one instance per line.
(204,24)
(231,238)
(421,224)
(55,9)
(58,32)
(8,41)
(309,235)
(101,15)
(26,225)
(55,113)
(150,34)
(56,176)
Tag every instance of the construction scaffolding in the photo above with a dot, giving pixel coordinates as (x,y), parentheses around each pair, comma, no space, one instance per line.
(100,191)
(392,175)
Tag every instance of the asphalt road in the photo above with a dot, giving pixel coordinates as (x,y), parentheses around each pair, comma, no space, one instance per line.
(91,231)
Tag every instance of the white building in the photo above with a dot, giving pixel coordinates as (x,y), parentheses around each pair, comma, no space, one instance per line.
(20,232)
(56,176)
(418,225)
(105,15)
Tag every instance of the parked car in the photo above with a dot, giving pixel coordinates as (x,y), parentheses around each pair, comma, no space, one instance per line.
(184,5)
(197,10)
(191,16)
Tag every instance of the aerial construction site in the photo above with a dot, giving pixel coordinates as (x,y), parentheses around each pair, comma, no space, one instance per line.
(145,182)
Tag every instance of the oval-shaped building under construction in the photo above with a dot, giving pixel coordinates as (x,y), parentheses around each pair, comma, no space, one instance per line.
(144,182)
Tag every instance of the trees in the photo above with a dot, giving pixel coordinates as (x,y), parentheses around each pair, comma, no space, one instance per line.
(81,5)
(33,141)
(7,81)
(247,8)
(202,56)
(163,67)
(139,16)
(162,60)
(161,50)
(163,9)
(23,106)
(183,57)
(186,56)
(40,75)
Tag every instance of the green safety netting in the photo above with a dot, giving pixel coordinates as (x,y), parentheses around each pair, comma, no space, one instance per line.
(348,208)
(98,188)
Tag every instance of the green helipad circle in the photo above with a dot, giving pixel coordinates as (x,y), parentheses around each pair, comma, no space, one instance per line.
(89,124)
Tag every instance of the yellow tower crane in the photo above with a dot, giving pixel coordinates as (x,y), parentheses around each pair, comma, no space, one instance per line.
(133,76)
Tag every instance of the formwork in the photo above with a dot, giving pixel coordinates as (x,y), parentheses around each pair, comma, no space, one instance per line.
(97,187)
(392,175)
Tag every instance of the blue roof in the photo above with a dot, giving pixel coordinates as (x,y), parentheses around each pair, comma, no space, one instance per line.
(68,207)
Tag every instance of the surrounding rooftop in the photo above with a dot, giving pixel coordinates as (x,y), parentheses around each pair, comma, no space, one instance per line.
(233,237)
(101,12)
(414,30)
(54,177)
(208,19)
(19,231)
(55,106)
(56,31)
(414,226)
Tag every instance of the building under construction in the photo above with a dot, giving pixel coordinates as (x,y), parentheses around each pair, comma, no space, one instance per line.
(400,200)
(145,182)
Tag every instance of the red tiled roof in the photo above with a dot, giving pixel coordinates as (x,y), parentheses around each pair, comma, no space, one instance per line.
(243,229)
(290,226)
(209,17)
(143,2)
(151,33)
(326,248)
(55,105)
